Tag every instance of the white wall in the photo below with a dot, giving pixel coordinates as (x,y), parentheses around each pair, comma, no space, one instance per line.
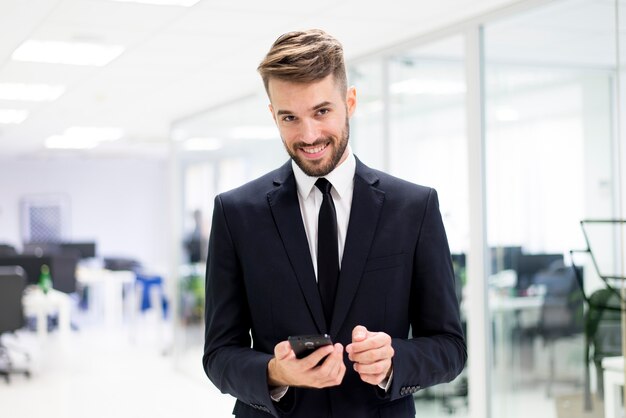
(119,203)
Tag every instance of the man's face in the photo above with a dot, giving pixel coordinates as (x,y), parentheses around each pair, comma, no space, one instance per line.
(313,122)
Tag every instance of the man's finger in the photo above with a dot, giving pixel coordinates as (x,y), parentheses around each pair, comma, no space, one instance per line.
(316,356)
(282,350)
(359,333)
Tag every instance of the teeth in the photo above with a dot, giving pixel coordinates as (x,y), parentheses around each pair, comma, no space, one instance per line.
(314,150)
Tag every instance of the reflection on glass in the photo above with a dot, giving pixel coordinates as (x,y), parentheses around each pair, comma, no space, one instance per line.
(367,129)
(428,145)
(550,83)
(427,128)
(218,150)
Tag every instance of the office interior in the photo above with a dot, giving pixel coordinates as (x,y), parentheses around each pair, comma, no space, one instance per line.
(512,110)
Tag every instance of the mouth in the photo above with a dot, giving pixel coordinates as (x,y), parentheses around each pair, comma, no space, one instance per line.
(314,151)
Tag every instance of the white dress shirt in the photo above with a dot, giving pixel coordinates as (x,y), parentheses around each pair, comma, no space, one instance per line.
(310,199)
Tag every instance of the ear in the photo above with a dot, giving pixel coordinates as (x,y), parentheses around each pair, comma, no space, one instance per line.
(351,100)
(272,112)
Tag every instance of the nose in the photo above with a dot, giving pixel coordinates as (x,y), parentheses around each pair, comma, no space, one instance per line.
(309,131)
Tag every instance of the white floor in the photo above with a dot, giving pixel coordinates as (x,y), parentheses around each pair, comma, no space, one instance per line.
(95,373)
(124,373)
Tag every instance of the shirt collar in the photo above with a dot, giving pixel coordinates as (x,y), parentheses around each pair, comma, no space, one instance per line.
(341,177)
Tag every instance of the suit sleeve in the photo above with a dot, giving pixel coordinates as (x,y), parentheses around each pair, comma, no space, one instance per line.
(436,353)
(229,361)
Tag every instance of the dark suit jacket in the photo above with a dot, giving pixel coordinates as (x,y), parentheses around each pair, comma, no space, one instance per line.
(396,273)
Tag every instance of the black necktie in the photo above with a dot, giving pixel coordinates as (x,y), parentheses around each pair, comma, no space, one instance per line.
(327,251)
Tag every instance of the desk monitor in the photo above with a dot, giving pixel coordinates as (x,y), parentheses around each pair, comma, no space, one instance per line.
(62,269)
(84,249)
(41,248)
(504,258)
(528,265)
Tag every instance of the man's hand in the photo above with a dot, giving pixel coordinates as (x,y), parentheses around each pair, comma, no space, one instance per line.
(286,370)
(371,353)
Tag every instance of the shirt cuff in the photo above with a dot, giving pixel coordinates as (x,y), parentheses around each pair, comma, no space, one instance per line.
(277,393)
(386,384)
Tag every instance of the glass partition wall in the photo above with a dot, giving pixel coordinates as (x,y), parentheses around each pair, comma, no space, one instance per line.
(549,136)
(550,83)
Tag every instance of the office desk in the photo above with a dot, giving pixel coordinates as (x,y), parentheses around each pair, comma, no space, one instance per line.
(107,292)
(40,305)
(504,310)
(613,382)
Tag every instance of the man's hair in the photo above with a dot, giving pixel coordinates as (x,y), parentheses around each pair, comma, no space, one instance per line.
(304,57)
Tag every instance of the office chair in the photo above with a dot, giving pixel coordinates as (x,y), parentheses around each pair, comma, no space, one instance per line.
(602,330)
(562,310)
(6,249)
(12,283)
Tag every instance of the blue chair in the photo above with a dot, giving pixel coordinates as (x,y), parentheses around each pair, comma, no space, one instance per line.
(148,283)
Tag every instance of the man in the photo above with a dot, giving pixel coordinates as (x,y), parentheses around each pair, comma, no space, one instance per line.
(361,256)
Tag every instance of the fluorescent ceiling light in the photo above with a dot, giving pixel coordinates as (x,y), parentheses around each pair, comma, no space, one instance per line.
(254,132)
(423,86)
(68,142)
(202,144)
(184,3)
(83,137)
(30,92)
(13,116)
(98,134)
(74,53)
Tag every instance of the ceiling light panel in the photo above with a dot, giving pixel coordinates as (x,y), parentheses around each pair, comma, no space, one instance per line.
(72,53)
(30,92)
(68,142)
(97,134)
(183,3)
(13,116)
(83,137)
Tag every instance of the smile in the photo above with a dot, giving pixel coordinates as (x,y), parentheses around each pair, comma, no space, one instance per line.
(314,150)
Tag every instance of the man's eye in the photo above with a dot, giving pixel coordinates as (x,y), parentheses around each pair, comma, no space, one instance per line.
(289,118)
(323,111)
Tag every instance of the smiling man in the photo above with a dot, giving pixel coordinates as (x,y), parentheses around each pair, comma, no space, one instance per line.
(329,248)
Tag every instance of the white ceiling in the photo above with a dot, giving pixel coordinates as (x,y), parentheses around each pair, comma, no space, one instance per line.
(180,60)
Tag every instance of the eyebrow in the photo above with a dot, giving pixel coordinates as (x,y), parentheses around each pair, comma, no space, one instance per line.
(316,107)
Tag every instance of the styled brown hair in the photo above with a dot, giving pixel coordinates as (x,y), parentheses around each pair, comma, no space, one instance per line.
(304,57)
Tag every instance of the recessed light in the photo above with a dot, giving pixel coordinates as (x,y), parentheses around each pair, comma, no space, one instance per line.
(98,134)
(73,53)
(184,3)
(83,137)
(202,144)
(69,142)
(30,92)
(424,86)
(13,116)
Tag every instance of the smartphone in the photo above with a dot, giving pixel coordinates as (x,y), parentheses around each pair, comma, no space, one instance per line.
(303,345)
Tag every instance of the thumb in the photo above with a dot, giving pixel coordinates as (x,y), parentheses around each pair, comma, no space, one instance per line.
(359,333)
(282,350)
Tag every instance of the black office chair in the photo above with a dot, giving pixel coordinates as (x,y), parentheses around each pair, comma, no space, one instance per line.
(12,283)
(6,249)
(603,331)
(562,309)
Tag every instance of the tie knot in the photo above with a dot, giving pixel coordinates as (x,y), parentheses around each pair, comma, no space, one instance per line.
(324,185)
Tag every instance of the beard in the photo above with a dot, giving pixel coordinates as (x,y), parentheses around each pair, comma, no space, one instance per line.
(320,168)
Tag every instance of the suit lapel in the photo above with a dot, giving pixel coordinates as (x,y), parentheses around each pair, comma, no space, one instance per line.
(283,201)
(367,202)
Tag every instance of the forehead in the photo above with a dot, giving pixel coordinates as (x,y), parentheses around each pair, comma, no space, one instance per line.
(293,95)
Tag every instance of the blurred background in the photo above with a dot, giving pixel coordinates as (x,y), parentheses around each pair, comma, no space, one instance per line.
(120,120)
